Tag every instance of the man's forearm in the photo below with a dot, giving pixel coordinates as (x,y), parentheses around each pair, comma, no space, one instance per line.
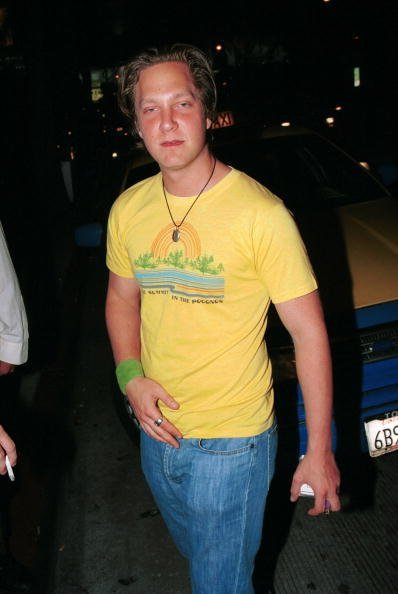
(303,317)
(123,324)
(314,371)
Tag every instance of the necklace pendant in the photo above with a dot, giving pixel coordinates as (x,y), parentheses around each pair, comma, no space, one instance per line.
(176,231)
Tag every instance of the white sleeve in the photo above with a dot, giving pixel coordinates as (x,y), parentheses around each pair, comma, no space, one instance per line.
(13,322)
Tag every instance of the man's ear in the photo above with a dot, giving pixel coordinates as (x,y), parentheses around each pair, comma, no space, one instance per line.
(208,123)
(137,128)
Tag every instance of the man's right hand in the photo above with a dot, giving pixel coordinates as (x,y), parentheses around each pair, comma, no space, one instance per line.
(143,395)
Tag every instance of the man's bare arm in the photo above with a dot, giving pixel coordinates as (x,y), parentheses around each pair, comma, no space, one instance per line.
(304,320)
(123,320)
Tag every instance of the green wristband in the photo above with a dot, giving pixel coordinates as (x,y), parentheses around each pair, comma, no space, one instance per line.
(126,371)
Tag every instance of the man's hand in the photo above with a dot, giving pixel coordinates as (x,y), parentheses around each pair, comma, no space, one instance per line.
(6,368)
(7,446)
(322,474)
(143,395)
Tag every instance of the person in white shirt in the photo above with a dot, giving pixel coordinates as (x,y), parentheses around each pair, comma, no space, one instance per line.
(13,321)
(13,334)
(14,337)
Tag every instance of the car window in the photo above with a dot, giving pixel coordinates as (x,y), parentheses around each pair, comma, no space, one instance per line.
(304,170)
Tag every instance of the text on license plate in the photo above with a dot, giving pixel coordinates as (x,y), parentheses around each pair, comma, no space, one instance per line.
(382,434)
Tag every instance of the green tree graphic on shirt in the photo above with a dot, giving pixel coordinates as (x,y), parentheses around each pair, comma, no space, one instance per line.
(204,264)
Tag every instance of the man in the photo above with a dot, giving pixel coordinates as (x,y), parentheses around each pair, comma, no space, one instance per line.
(196,254)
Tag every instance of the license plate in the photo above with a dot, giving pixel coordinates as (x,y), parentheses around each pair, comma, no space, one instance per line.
(382,434)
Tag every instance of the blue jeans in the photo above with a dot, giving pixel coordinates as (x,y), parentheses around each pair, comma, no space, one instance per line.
(211,494)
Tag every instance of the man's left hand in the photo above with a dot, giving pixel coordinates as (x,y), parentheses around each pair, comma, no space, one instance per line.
(321,473)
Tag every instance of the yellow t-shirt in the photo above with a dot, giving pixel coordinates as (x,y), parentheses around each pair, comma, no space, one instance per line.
(204,299)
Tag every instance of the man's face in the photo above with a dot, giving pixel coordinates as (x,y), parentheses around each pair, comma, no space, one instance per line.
(170,115)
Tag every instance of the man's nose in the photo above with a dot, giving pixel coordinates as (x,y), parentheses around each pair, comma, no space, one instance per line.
(167,122)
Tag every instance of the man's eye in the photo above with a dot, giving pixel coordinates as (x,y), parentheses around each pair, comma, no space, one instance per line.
(185,104)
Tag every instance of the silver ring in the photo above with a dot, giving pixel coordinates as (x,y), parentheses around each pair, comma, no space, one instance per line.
(159,421)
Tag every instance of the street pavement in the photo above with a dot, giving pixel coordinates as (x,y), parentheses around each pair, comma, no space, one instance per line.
(93,526)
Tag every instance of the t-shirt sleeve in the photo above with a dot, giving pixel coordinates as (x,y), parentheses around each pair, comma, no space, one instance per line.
(117,257)
(281,257)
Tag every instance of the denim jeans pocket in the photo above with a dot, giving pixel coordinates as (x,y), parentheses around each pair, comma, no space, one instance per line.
(226,446)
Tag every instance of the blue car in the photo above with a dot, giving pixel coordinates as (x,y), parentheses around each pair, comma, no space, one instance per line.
(349,222)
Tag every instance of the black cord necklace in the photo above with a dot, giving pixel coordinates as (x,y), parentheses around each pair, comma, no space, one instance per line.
(176,231)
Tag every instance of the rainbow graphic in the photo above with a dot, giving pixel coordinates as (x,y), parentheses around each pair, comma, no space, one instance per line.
(189,239)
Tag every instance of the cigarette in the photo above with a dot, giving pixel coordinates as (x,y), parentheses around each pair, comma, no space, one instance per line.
(9,469)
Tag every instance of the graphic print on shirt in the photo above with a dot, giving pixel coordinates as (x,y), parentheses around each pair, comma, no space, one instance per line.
(180,268)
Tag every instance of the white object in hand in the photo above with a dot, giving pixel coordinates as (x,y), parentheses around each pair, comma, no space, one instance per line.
(9,469)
